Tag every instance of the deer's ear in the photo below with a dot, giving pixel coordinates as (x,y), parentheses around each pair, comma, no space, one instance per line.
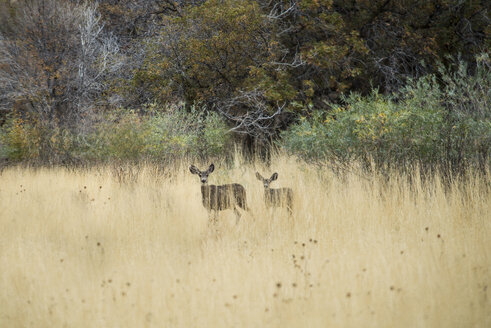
(211,168)
(193,169)
(259,176)
(274,177)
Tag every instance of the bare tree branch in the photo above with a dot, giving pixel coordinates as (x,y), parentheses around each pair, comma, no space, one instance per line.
(251,115)
(57,61)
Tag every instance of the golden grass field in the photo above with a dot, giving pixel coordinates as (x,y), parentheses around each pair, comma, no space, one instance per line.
(81,248)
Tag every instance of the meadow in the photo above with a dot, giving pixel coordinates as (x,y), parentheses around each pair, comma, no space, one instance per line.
(132,247)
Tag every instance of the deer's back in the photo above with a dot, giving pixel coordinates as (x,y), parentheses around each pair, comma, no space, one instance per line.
(223,196)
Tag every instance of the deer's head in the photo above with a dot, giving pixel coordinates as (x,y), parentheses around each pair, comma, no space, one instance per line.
(266,182)
(203,175)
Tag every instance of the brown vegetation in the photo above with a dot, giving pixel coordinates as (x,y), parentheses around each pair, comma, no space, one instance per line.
(82,248)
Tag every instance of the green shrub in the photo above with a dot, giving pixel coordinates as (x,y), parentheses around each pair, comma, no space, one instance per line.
(442,122)
(178,133)
(35,141)
(125,135)
(217,140)
(20,140)
(156,134)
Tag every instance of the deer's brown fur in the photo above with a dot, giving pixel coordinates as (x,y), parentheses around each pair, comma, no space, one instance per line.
(275,197)
(218,198)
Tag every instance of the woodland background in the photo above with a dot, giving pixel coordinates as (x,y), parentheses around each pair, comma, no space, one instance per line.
(385,83)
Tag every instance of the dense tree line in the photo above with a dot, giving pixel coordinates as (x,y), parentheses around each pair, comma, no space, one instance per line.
(258,64)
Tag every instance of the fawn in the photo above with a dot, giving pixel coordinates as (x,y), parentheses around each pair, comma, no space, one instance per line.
(218,198)
(276,197)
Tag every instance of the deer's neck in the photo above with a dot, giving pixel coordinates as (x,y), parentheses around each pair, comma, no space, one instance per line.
(205,189)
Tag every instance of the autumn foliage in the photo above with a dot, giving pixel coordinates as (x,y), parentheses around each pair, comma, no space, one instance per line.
(259,66)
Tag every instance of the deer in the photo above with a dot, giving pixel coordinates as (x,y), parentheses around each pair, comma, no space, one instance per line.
(276,197)
(218,198)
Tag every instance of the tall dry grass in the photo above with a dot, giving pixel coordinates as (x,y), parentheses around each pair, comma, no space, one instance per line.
(98,249)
